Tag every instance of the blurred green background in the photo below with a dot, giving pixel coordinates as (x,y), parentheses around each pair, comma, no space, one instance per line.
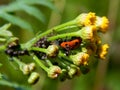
(103,76)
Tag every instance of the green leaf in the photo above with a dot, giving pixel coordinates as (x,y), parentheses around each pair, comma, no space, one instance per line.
(5,33)
(2,40)
(14,85)
(32,10)
(16,20)
(46,3)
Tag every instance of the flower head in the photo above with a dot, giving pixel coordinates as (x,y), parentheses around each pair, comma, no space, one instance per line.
(80,58)
(52,50)
(103,50)
(87,33)
(102,23)
(74,71)
(86,19)
(54,71)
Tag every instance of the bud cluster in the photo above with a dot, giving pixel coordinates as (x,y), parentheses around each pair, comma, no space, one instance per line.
(65,58)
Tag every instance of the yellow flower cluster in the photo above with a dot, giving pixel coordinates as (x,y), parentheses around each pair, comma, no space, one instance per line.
(87,19)
(63,54)
(91,25)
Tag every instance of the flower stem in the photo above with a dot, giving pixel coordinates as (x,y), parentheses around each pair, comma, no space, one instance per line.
(61,55)
(62,36)
(21,64)
(49,63)
(18,61)
(64,26)
(40,63)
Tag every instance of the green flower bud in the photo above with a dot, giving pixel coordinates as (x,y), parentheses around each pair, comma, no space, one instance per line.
(34,77)
(80,58)
(74,71)
(54,71)
(84,69)
(63,75)
(52,50)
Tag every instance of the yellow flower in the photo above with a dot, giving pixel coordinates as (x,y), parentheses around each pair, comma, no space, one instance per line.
(103,50)
(86,19)
(102,23)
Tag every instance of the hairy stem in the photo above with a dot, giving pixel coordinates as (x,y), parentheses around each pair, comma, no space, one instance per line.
(40,63)
(62,36)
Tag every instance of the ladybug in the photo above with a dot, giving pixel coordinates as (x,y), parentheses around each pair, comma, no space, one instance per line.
(70,45)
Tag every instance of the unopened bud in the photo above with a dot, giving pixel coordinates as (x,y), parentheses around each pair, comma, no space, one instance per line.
(54,71)
(52,50)
(34,77)
(84,69)
(80,58)
(74,71)
(63,76)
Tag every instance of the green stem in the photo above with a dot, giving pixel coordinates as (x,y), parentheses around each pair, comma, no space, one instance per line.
(64,26)
(21,64)
(49,63)
(65,57)
(62,36)
(18,61)
(14,85)
(64,63)
(39,49)
(40,63)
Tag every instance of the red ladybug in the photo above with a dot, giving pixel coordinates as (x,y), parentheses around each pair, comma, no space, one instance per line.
(69,45)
